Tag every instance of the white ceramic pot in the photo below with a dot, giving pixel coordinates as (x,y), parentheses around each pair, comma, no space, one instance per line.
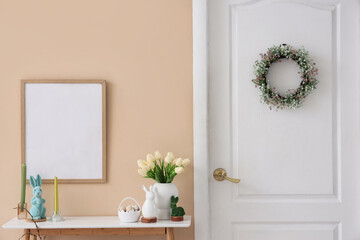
(164,191)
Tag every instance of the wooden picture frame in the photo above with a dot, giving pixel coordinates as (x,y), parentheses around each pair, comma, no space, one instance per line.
(93,87)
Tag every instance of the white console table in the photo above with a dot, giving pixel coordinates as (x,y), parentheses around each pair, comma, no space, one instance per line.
(100,225)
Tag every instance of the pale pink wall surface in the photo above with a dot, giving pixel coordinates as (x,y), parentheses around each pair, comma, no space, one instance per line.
(143,49)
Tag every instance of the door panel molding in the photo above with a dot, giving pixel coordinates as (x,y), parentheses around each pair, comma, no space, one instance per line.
(286,230)
(332,194)
(322,5)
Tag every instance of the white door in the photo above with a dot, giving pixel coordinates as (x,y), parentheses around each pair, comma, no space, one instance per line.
(299,169)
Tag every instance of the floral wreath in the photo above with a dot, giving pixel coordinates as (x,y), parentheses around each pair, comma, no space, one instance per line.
(295,97)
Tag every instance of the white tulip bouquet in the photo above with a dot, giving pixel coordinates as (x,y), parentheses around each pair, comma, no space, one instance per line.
(162,170)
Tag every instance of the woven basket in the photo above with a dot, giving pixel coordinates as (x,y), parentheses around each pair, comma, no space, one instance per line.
(129,217)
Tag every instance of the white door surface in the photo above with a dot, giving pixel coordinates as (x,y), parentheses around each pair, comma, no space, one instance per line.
(299,169)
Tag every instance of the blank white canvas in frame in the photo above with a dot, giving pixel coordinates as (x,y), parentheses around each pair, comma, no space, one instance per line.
(63,130)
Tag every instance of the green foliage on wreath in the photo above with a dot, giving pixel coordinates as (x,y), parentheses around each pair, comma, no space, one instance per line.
(294,98)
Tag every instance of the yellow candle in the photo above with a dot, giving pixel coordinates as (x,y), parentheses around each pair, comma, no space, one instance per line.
(56,195)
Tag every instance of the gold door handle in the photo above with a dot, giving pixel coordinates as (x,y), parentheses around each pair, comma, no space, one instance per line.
(220,175)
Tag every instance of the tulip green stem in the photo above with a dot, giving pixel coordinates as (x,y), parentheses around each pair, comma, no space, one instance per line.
(162,173)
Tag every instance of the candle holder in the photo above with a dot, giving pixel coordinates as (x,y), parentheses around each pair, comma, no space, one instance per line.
(56,217)
(21,211)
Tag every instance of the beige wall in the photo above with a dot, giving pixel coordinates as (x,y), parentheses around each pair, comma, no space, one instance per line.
(143,49)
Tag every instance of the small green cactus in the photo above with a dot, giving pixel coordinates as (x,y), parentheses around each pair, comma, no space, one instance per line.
(176,211)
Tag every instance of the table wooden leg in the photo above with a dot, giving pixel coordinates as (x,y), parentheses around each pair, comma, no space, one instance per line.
(170,234)
(32,237)
(27,234)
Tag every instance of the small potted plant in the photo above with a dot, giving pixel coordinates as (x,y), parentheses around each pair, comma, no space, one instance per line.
(177,213)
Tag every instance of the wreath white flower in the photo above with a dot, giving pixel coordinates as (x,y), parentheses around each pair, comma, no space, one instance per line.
(295,97)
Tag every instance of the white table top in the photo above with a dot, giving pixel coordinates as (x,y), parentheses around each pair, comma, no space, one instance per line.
(94,222)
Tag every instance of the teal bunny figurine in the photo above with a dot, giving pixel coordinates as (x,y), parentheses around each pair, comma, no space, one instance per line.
(37,209)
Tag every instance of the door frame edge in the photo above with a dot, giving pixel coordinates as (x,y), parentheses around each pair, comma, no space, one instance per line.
(200,120)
